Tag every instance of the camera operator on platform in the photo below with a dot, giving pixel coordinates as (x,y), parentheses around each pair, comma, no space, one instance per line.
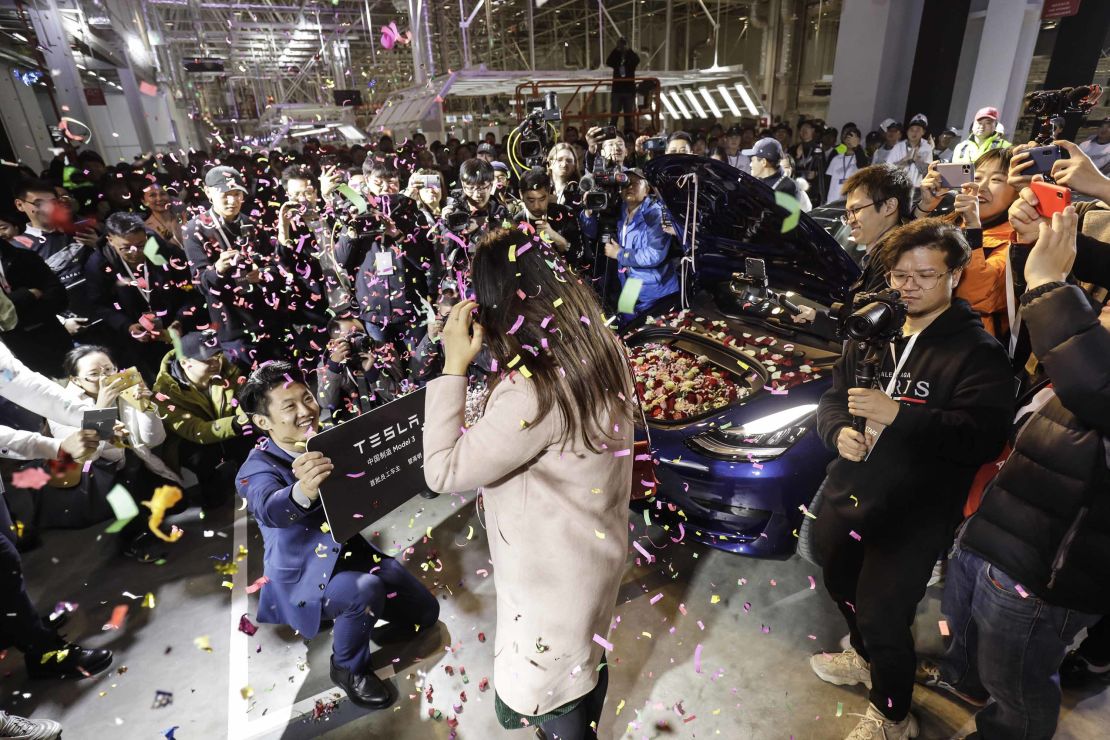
(908,450)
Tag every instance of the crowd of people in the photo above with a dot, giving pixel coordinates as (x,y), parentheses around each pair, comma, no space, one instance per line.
(229,305)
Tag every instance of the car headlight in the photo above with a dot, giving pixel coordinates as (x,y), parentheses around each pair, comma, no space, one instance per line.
(762,439)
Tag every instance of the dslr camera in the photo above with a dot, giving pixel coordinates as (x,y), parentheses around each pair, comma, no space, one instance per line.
(871,318)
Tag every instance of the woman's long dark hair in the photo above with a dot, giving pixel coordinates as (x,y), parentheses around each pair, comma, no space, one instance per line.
(541,320)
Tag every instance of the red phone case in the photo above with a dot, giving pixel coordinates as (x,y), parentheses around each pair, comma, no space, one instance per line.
(1051,198)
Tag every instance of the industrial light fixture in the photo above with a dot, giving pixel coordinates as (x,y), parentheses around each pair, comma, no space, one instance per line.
(671,111)
(710,102)
(748,102)
(728,100)
(694,102)
(681,106)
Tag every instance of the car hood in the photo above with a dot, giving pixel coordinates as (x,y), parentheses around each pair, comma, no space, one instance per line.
(737,217)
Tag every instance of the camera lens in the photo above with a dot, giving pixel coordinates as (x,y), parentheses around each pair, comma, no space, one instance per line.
(870,321)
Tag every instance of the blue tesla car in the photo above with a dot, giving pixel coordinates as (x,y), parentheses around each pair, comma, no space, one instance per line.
(735,475)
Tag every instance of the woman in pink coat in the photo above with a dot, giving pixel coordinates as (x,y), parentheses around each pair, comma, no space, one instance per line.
(552,457)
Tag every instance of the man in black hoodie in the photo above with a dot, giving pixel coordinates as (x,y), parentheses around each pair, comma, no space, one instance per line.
(1030,567)
(893,497)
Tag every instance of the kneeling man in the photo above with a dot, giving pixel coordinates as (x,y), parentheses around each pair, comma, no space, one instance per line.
(311,577)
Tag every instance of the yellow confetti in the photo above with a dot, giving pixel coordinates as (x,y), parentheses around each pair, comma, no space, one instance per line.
(203,643)
(525,371)
(228,585)
(646,634)
(512,253)
(715,599)
(620,707)
(600,535)
(148,601)
(325,527)
(428,533)
(246,692)
(514,361)
(558,302)
(470,534)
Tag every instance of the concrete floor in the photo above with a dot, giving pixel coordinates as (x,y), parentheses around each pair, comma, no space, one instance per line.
(757,623)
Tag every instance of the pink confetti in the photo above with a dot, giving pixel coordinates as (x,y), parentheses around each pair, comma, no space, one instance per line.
(645,553)
(257,585)
(697,659)
(603,642)
(1021,591)
(246,626)
(356,475)
(33,478)
(855,535)
(943,626)
(622,453)
(812,583)
(655,599)
(681,533)
(517,324)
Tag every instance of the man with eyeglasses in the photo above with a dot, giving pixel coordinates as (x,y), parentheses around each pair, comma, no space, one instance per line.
(390,262)
(878,199)
(892,499)
(475,201)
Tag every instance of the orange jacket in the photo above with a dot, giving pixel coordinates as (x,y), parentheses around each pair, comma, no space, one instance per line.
(983,284)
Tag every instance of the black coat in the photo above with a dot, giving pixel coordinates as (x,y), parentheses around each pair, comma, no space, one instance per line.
(38,339)
(957,399)
(1045,520)
(393,296)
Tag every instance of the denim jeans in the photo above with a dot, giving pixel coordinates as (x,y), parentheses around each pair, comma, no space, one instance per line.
(1005,646)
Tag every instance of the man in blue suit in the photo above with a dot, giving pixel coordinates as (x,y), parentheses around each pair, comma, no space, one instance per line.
(311,576)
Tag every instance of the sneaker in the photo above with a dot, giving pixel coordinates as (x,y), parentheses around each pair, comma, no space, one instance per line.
(21,728)
(68,661)
(928,674)
(842,669)
(875,726)
(1078,671)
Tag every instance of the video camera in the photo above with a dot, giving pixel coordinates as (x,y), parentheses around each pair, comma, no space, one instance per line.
(870,317)
(873,320)
(1048,104)
(534,139)
(455,214)
(752,289)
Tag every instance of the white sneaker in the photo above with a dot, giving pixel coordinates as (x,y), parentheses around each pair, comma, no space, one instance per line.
(842,669)
(875,726)
(21,728)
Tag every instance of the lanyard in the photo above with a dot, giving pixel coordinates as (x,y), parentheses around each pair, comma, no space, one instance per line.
(900,362)
(145,292)
(1012,312)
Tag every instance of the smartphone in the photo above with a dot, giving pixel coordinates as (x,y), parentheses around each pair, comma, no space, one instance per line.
(130,376)
(427,181)
(1051,198)
(954,174)
(101,421)
(1043,158)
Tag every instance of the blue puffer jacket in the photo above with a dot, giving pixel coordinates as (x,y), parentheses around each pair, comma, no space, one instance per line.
(643,252)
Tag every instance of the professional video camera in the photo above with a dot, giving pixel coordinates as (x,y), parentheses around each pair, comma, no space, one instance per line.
(873,321)
(455,214)
(530,140)
(1044,105)
(752,289)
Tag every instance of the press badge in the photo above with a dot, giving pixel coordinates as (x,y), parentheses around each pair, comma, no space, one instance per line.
(383,262)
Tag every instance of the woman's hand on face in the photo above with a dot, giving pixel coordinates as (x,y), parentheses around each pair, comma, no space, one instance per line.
(109,393)
(462,338)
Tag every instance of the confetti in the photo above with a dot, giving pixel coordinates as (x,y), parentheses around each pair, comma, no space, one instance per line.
(119,614)
(629,294)
(943,626)
(203,643)
(697,658)
(603,642)
(32,478)
(793,208)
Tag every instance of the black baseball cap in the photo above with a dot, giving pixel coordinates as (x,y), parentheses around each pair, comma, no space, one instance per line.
(634,171)
(734,130)
(224,179)
(485,148)
(767,148)
(200,345)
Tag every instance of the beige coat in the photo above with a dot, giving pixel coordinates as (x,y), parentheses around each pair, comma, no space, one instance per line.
(557,525)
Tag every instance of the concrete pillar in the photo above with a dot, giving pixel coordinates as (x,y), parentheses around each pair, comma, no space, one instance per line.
(69,90)
(874,60)
(1002,57)
(135,105)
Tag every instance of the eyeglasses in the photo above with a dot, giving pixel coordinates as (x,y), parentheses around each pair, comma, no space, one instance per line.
(924,280)
(852,214)
(478,188)
(96,377)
